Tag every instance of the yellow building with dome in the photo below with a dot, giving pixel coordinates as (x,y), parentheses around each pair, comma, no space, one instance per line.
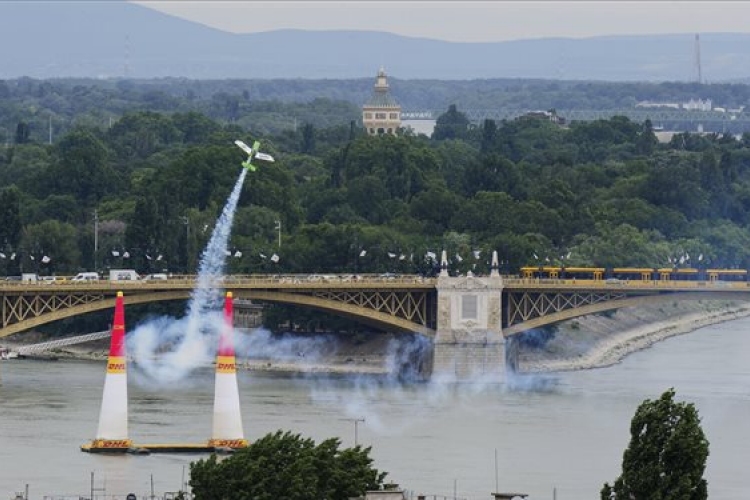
(381,114)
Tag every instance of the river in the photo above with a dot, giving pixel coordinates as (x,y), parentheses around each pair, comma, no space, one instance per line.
(562,437)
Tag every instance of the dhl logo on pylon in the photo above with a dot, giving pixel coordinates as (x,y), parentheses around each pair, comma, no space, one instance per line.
(112,443)
(226,364)
(228,443)
(116,364)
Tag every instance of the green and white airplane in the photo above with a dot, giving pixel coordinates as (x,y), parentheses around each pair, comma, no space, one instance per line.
(253,154)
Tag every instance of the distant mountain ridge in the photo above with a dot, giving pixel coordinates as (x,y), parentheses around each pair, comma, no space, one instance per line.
(115,39)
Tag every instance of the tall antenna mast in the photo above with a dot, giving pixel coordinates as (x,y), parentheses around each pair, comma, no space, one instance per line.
(698,57)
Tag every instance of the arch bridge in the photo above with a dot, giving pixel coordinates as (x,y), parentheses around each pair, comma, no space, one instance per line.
(462,315)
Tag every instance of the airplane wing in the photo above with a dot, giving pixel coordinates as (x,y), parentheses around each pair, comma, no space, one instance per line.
(264,157)
(244,147)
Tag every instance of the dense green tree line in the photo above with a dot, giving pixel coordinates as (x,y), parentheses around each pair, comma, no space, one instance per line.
(147,190)
(155,183)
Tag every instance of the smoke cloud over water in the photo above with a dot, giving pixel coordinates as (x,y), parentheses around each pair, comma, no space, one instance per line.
(168,349)
(531,382)
(287,348)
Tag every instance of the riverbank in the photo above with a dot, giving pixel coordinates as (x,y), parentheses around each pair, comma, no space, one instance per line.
(602,340)
(588,342)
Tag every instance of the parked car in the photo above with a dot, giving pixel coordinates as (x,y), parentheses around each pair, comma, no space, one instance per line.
(156,277)
(87,276)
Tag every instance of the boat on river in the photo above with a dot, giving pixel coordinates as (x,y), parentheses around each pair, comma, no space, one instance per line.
(6,353)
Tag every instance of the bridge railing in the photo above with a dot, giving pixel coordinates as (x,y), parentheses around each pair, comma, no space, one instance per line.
(219,281)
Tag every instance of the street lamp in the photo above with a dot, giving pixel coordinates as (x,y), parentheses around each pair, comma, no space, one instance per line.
(96,238)
(186,221)
(278,228)
(356,428)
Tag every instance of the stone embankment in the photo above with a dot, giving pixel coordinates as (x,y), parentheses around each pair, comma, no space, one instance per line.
(601,340)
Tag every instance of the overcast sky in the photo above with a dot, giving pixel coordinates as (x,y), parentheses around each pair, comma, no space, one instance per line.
(468,21)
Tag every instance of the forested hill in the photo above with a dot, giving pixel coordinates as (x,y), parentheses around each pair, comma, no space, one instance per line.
(120,39)
(271,106)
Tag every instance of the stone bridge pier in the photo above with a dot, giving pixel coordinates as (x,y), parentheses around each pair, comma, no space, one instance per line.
(469,343)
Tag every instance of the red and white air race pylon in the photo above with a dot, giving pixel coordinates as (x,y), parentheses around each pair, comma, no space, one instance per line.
(112,434)
(227,426)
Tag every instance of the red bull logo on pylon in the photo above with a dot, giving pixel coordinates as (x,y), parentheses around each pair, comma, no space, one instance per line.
(227,422)
(112,433)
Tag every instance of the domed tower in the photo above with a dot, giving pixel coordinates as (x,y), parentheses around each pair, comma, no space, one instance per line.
(381,114)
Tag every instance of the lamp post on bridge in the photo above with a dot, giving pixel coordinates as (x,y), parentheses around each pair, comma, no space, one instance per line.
(96,240)
(278,228)
(186,220)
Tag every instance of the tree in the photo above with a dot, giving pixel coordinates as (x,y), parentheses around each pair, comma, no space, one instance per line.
(10,218)
(58,241)
(452,124)
(308,139)
(489,130)
(646,141)
(666,456)
(139,135)
(144,230)
(22,133)
(285,465)
(82,169)
(195,127)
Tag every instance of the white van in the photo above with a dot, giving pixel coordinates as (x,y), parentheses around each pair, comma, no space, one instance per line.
(123,275)
(86,277)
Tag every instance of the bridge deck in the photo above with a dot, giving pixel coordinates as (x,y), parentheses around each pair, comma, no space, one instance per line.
(361,282)
(399,303)
(295,282)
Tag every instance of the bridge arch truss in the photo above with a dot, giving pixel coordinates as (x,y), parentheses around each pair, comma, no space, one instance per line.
(402,310)
(395,308)
(525,310)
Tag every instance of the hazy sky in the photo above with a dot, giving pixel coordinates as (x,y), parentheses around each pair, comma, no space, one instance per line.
(468,20)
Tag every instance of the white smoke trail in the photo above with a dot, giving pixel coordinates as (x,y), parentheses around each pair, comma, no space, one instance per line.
(167,349)
(206,296)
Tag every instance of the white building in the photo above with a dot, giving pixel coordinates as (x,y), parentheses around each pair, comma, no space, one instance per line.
(697,105)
